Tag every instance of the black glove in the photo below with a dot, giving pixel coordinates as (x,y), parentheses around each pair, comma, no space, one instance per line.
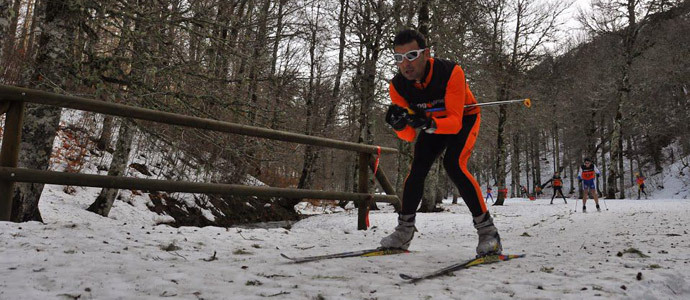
(396,116)
(419,120)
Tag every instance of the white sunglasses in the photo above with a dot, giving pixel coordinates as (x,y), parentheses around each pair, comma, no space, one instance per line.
(409,55)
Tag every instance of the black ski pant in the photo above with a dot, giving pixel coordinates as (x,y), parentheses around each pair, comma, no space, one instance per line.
(458,148)
(641,189)
(556,190)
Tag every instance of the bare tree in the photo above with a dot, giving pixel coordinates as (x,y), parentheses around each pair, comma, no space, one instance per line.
(104,201)
(52,71)
(372,21)
(622,19)
(511,50)
(7,18)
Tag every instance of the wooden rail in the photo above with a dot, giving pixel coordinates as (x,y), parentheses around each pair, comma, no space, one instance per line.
(151,185)
(13,99)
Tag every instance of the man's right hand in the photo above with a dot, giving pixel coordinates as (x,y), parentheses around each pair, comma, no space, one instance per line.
(396,116)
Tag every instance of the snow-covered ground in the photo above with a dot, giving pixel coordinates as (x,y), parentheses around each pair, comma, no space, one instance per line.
(570,255)
(132,254)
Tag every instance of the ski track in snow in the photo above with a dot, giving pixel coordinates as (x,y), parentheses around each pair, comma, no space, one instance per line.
(570,255)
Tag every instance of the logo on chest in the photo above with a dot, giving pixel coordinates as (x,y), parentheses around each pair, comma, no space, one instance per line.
(431,106)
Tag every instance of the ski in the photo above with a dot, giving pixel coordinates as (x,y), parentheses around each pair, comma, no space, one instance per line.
(364,253)
(462,265)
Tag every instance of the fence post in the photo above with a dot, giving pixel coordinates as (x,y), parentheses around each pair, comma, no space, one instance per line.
(363,187)
(9,154)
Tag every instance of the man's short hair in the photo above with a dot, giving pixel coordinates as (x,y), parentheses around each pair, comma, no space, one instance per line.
(408,35)
(587,159)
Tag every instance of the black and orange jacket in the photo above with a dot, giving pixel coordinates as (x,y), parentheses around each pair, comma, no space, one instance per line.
(556,181)
(588,173)
(442,96)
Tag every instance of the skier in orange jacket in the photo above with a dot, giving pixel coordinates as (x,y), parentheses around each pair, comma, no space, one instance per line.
(587,174)
(429,95)
(557,184)
(640,185)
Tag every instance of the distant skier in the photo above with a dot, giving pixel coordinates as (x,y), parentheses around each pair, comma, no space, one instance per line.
(523,191)
(588,173)
(429,94)
(538,189)
(557,184)
(640,185)
(489,195)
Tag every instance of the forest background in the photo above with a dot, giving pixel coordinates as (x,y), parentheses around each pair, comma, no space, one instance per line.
(617,91)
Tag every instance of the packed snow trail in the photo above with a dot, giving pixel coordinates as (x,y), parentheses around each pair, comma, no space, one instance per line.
(569,255)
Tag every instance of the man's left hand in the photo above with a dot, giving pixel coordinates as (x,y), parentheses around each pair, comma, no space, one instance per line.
(420,120)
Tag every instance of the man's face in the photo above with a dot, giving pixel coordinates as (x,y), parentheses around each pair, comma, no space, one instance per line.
(587,163)
(412,70)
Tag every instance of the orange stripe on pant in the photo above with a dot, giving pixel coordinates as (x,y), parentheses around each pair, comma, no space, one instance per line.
(465,157)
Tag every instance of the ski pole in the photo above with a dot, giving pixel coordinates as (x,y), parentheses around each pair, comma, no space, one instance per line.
(527,102)
(607,208)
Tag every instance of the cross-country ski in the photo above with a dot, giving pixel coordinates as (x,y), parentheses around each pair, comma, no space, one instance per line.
(489,259)
(363,253)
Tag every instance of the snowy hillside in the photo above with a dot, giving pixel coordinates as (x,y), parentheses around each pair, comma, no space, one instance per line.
(673,183)
(79,255)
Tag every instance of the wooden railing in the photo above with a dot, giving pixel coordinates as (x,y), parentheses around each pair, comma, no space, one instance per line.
(12,101)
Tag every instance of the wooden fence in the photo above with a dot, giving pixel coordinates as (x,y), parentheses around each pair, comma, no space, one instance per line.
(12,101)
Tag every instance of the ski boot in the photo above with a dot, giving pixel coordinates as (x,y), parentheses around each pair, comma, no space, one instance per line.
(489,239)
(403,234)
(584,209)
(598,208)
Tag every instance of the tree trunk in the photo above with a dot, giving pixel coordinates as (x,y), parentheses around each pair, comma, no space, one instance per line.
(631,33)
(615,138)
(342,27)
(106,135)
(51,72)
(423,18)
(621,168)
(557,149)
(311,154)
(603,167)
(104,201)
(9,16)
(537,157)
(516,188)
(257,60)
(528,157)
(372,35)
(603,156)
(275,80)
(631,160)
(501,153)
(5,20)
(572,177)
